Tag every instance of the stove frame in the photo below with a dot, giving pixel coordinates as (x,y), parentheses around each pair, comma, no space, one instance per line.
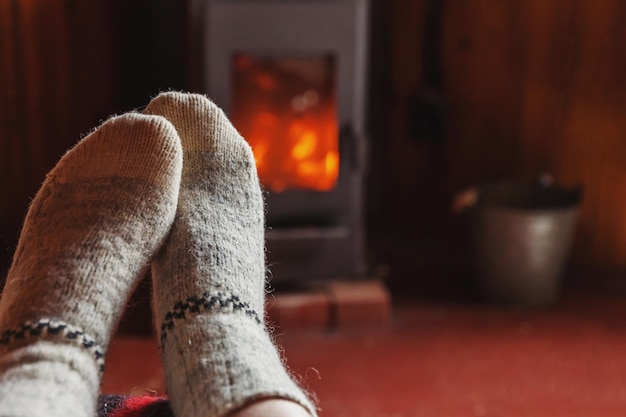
(311,235)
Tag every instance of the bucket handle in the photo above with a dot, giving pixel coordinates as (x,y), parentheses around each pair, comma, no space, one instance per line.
(468,198)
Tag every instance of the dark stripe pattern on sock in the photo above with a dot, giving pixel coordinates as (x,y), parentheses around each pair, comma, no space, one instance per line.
(55,329)
(206,302)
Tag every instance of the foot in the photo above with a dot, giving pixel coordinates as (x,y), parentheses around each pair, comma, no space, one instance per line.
(89,234)
(209,281)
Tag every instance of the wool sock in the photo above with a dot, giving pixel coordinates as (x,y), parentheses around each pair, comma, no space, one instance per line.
(209,279)
(88,236)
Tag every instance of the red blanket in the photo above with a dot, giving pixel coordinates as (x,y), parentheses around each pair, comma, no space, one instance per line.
(133,406)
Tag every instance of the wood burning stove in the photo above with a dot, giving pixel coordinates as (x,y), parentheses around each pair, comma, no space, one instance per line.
(291,74)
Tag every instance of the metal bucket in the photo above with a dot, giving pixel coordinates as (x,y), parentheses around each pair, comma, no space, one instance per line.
(522,235)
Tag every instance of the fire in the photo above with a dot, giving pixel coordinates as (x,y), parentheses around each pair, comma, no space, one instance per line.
(286,109)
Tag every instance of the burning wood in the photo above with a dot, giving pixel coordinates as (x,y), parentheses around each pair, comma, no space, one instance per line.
(286,109)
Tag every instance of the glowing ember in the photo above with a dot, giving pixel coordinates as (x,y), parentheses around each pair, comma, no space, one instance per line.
(286,109)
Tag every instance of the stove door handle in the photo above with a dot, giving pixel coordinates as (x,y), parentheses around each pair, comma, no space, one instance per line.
(352,148)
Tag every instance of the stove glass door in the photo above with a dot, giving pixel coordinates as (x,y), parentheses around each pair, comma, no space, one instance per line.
(286,108)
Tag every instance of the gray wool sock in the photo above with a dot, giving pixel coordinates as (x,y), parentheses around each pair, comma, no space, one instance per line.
(89,235)
(209,280)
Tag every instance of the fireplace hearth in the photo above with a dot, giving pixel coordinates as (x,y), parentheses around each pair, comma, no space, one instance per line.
(291,75)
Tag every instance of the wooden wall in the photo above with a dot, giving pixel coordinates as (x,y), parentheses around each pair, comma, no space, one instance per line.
(523,87)
(66,65)
(55,82)
(529,86)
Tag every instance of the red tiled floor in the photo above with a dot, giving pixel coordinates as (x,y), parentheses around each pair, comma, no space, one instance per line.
(448,359)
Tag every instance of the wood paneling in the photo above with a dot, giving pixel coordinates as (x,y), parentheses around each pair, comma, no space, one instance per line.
(413,171)
(530,86)
(55,82)
(66,65)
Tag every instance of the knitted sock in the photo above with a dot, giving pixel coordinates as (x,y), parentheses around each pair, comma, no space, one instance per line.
(209,280)
(89,234)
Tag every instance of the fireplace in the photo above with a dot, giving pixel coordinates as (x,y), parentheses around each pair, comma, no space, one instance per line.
(291,75)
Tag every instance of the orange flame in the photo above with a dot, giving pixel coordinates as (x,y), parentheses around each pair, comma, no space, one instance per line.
(286,109)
